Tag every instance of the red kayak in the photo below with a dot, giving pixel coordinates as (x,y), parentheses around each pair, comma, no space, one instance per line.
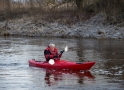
(62,64)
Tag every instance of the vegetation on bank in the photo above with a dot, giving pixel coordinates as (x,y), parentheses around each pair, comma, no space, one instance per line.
(71,10)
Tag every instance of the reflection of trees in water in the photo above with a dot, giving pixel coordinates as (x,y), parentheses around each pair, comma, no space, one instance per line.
(82,77)
(112,52)
(80,50)
(108,53)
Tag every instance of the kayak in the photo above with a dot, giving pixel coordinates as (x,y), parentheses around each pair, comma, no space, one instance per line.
(62,64)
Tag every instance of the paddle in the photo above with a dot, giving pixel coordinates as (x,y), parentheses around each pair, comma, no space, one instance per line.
(51,61)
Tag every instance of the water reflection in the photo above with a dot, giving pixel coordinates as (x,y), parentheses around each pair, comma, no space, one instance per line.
(79,50)
(52,77)
(15,72)
(108,55)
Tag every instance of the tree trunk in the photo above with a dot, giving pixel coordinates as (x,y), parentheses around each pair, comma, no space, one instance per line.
(8,5)
(79,4)
(31,4)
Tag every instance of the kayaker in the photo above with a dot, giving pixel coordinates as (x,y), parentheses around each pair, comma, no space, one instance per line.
(51,52)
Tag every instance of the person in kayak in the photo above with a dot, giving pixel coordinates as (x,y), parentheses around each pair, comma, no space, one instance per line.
(51,52)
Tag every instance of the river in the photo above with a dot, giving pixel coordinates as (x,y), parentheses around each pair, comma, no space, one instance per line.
(106,74)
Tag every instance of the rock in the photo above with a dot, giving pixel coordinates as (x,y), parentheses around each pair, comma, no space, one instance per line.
(120,24)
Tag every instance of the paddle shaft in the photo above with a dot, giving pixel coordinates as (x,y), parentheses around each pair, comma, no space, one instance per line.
(51,60)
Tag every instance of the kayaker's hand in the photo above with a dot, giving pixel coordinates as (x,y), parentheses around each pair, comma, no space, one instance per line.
(61,52)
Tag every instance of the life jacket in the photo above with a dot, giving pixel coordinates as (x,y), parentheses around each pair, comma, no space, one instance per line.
(55,52)
(49,54)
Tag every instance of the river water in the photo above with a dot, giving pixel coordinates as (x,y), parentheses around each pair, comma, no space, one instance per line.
(15,73)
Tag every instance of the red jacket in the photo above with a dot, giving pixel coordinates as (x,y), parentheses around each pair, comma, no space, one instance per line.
(49,54)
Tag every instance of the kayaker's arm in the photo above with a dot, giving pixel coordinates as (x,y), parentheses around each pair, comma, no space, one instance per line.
(61,52)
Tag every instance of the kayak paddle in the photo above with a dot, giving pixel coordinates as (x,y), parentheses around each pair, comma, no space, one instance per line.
(51,61)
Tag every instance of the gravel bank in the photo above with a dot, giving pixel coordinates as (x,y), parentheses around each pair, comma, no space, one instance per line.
(92,28)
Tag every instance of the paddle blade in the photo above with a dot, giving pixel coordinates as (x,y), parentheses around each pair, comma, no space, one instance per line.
(66,48)
(51,61)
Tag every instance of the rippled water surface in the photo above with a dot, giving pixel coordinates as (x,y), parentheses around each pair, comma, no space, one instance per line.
(15,73)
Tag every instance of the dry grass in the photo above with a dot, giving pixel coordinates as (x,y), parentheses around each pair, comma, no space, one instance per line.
(114,10)
(65,12)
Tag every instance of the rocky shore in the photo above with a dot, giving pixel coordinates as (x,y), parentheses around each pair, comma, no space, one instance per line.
(92,28)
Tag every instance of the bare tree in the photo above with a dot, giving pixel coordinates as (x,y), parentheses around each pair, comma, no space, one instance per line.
(8,5)
(79,4)
(31,4)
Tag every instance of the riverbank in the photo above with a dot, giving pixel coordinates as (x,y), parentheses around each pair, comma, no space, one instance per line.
(92,28)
